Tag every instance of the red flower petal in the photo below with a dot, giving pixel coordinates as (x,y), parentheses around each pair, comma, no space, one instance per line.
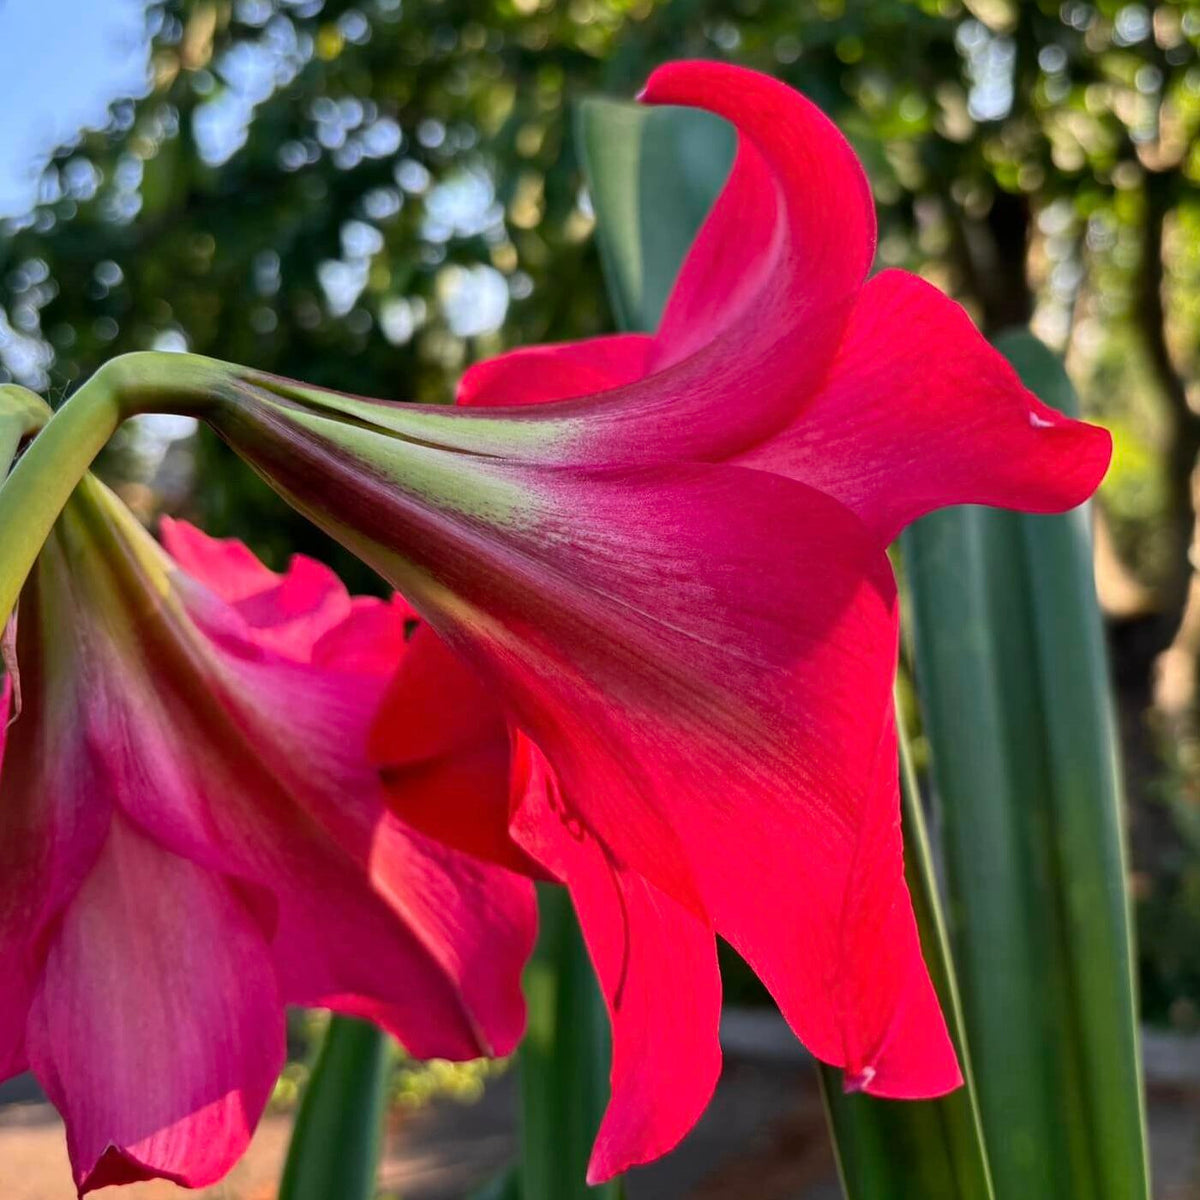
(712,706)
(176,1091)
(792,233)
(535,374)
(899,1045)
(657,966)
(441,742)
(919,412)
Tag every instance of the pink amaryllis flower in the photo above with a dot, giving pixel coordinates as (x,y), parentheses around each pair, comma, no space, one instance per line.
(191,837)
(670,576)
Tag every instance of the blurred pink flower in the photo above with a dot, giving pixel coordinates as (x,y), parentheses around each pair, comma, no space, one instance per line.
(191,838)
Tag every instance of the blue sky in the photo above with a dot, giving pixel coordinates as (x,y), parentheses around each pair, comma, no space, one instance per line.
(61,62)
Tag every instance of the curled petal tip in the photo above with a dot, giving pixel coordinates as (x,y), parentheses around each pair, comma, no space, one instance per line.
(664,80)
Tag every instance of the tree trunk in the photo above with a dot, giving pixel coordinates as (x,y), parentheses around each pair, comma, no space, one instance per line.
(1184,424)
(1174,681)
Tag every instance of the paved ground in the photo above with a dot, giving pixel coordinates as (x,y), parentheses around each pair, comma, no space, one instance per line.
(763,1136)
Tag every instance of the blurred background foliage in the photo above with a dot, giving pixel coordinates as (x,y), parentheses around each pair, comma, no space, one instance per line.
(371,195)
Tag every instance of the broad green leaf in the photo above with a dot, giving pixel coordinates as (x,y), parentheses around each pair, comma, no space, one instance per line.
(336,1139)
(564,1060)
(653,173)
(653,176)
(1012,673)
(905,1150)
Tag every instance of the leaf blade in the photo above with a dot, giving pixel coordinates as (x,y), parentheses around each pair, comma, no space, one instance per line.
(563,1062)
(1012,671)
(336,1139)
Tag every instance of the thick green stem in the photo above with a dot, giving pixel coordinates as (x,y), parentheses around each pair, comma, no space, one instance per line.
(32,497)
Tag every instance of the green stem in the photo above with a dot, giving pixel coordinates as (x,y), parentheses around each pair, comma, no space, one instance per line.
(32,497)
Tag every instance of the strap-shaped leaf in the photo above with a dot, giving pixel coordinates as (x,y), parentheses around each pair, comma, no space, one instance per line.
(1013,679)
(901,1150)
(564,1061)
(653,174)
(335,1143)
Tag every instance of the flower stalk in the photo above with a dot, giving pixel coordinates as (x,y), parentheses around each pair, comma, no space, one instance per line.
(22,415)
(32,497)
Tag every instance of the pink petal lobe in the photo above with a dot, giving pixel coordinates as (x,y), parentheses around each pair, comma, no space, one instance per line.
(534,374)
(288,612)
(176,1092)
(657,967)
(226,566)
(477,921)
(49,837)
(370,641)
(919,411)
(370,918)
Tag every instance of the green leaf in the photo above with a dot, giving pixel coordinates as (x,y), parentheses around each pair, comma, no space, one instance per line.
(505,1186)
(336,1139)
(564,1060)
(653,175)
(913,1150)
(1012,673)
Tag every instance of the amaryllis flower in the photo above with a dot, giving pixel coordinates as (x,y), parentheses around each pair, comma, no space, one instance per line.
(191,837)
(669,575)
